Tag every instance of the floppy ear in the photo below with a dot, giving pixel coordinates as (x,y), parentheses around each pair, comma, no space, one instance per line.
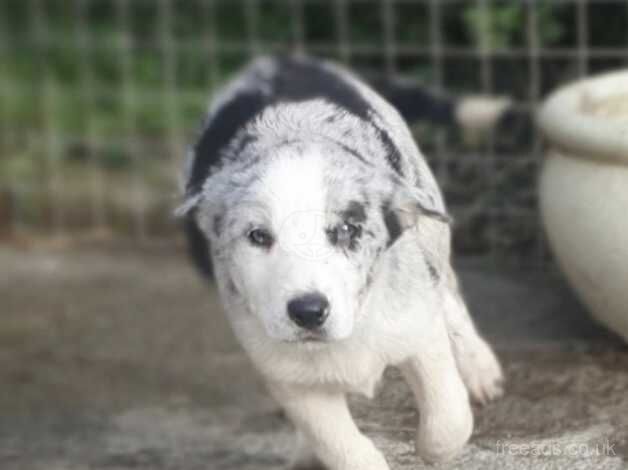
(188,205)
(411,203)
(197,243)
(404,209)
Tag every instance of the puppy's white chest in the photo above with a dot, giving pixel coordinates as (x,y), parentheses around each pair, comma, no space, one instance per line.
(341,367)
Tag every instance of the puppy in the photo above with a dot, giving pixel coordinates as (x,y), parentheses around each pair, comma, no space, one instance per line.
(329,241)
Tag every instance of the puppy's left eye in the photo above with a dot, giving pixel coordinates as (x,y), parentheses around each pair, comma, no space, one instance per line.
(343,234)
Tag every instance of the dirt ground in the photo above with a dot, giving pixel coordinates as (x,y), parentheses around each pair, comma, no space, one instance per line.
(117,358)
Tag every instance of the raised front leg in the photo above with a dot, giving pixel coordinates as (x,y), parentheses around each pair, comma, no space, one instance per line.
(324,420)
(445,417)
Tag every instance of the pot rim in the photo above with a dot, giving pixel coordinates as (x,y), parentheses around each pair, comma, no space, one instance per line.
(564,122)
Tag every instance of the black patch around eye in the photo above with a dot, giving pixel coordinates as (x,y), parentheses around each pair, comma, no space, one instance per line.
(355,212)
(393,225)
(345,235)
(354,241)
(332,236)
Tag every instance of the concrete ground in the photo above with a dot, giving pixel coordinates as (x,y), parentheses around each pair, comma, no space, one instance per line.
(114,358)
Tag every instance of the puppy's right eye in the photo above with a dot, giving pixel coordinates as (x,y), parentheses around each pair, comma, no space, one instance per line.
(261,237)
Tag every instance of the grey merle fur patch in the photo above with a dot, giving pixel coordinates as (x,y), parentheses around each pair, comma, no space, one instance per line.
(294,80)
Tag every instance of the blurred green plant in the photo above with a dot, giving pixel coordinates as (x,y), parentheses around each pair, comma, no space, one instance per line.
(502,25)
(68,76)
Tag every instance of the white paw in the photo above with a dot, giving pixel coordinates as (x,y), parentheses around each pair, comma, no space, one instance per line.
(480,371)
(442,436)
(363,457)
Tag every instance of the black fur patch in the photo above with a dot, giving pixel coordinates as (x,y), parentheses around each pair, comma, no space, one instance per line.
(351,244)
(304,80)
(355,212)
(354,243)
(296,80)
(232,117)
(416,103)
(393,225)
(198,246)
(393,157)
(332,236)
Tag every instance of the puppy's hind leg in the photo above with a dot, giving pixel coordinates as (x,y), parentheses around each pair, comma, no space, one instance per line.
(477,364)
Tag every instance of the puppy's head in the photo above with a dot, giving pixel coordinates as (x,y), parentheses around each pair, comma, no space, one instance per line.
(297,237)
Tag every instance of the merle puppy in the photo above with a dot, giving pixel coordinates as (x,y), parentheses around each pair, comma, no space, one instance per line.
(330,244)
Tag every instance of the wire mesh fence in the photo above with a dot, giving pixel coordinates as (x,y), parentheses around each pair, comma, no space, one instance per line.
(98,98)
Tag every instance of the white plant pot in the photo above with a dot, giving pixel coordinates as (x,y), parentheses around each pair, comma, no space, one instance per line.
(584,191)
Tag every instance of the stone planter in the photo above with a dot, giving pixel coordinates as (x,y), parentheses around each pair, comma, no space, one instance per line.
(584,191)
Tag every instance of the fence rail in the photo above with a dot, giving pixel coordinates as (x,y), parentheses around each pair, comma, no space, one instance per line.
(98,98)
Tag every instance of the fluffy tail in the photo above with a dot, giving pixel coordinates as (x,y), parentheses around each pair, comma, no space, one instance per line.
(475,115)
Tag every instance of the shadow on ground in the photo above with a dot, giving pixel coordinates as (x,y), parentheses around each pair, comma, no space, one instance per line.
(114,358)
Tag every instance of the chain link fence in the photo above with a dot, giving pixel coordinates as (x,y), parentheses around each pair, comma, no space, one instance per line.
(99,98)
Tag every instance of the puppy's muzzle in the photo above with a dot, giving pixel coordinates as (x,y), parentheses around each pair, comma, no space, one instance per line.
(309,311)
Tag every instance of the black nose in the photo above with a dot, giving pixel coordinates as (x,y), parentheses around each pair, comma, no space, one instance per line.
(309,311)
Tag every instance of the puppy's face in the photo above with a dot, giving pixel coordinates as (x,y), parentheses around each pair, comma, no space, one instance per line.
(297,240)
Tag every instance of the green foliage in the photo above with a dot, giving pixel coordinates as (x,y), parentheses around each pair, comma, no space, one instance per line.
(503,25)
(106,87)
(90,75)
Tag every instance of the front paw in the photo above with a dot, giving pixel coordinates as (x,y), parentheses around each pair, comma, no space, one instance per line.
(359,456)
(367,457)
(441,437)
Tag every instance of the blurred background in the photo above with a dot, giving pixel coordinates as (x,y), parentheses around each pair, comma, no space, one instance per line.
(114,354)
(99,98)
